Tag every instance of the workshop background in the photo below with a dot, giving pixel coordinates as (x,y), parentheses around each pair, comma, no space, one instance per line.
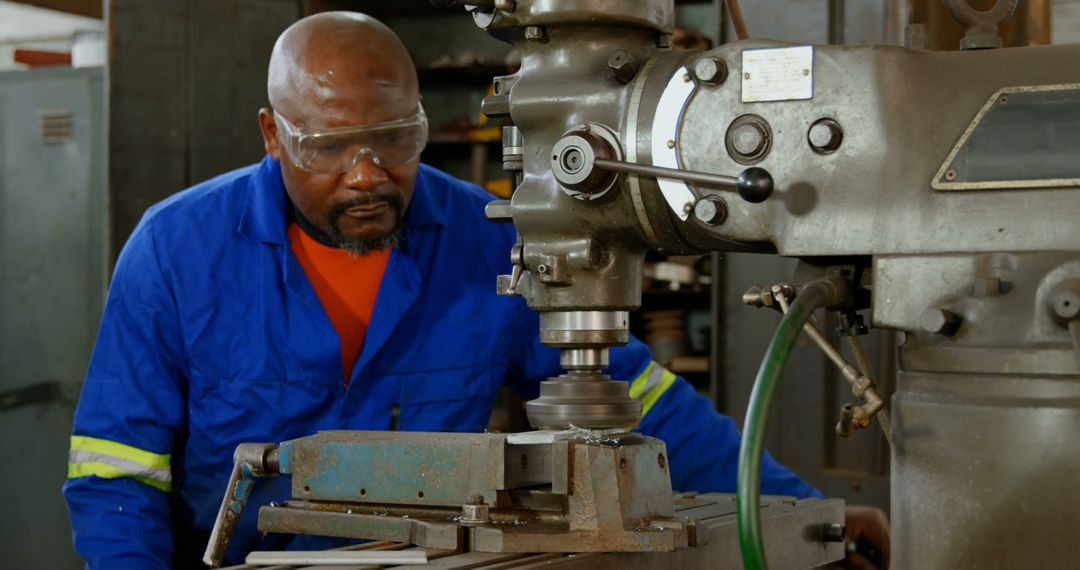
(110,107)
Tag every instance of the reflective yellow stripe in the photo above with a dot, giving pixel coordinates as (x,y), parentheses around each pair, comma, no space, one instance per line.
(105,471)
(650,385)
(83,443)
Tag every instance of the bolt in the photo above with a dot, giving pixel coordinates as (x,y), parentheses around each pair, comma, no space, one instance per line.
(623,65)
(825,136)
(950,175)
(710,70)
(534,32)
(671,144)
(833,532)
(987,287)
(746,75)
(748,139)
(711,210)
(939,321)
(1064,301)
(475,512)
(572,160)
(663,41)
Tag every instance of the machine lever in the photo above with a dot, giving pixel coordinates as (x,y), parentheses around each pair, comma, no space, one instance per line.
(251,461)
(754,185)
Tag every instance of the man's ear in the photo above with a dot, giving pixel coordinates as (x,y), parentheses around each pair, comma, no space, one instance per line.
(269,130)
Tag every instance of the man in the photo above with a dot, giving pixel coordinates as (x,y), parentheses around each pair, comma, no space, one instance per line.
(338,284)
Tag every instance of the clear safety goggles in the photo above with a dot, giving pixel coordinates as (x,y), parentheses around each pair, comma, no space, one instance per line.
(338,150)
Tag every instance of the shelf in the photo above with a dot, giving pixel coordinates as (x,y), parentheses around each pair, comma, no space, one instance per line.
(689,364)
(461,139)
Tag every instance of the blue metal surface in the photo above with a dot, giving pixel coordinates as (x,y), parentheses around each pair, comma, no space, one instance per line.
(420,469)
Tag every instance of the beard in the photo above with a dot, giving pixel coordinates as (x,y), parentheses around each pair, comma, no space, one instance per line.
(359,247)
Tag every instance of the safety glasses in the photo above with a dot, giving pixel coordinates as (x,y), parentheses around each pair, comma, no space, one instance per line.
(338,150)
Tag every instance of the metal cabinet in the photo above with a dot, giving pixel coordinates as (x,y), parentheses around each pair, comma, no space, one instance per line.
(52,285)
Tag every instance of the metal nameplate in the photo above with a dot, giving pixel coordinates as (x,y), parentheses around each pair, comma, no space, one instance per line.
(778,74)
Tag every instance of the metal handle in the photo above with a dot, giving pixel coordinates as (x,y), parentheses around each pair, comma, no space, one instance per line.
(251,461)
(754,185)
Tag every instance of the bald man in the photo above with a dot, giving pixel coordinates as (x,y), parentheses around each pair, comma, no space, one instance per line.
(337,284)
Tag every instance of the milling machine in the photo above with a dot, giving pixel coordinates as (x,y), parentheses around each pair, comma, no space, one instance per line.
(936,189)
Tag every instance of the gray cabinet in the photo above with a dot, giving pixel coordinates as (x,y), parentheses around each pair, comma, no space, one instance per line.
(52,285)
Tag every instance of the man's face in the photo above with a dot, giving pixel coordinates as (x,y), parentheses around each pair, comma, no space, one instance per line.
(360,209)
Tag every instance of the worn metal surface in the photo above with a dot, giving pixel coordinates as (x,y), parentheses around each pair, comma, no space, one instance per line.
(984,471)
(250,462)
(337,558)
(794,530)
(983,414)
(52,290)
(865,200)
(556,491)
(349,521)
(871,196)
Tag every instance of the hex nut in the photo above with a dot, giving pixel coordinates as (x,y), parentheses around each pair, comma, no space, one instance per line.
(710,70)
(623,65)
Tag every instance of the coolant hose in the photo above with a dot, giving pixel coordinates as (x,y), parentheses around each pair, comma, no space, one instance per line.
(812,297)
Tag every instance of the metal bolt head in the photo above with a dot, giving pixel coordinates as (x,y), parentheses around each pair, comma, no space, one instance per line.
(825,136)
(623,65)
(474,514)
(534,32)
(474,500)
(710,70)
(711,210)
(939,321)
(664,41)
(1067,306)
(833,532)
(1064,301)
(748,139)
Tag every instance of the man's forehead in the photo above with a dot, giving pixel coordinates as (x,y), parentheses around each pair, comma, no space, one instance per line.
(328,106)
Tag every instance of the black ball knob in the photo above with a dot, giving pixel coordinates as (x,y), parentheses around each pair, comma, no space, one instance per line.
(755,185)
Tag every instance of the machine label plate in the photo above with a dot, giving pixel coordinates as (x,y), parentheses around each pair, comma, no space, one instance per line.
(777,74)
(1023,137)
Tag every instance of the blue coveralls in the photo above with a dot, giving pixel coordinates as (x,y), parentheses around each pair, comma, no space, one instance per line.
(212,336)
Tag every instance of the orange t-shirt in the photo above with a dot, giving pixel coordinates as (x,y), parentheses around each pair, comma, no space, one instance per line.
(346,286)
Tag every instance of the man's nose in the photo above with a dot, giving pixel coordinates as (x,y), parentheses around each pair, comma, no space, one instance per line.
(366,175)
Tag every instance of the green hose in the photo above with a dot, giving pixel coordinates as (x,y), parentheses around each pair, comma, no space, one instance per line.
(809,300)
